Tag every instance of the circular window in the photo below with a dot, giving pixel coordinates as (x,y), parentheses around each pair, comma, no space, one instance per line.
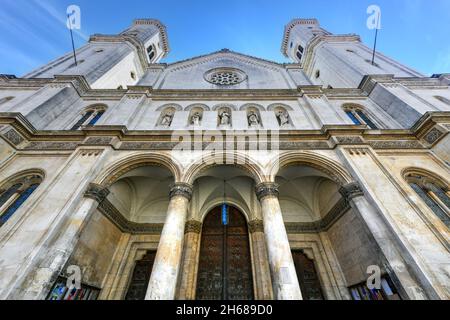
(225,76)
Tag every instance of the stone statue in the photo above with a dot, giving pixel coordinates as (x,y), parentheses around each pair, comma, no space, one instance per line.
(166,120)
(196,118)
(253,119)
(225,118)
(283,118)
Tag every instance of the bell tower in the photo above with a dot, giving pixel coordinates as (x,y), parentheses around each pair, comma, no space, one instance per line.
(337,61)
(113,61)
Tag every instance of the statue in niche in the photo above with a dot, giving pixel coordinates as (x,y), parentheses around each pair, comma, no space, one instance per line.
(253,119)
(225,118)
(283,118)
(166,120)
(195,119)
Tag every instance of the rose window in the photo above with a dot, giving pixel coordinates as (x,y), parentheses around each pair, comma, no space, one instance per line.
(225,76)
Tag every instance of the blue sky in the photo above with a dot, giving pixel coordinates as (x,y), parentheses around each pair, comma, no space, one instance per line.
(414,32)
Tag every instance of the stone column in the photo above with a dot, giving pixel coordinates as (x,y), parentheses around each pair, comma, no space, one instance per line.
(261,269)
(188,277)
(163,281)
(284,277)
(395,262)
(40,282)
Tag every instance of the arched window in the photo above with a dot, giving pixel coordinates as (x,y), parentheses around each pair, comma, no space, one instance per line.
(90,116)
(299,53)
(151,51)
(435,194)
(14,193)
(359,116)
(443,99)
(5,100)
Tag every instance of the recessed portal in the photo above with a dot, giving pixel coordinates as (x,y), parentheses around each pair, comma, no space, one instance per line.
(225,271)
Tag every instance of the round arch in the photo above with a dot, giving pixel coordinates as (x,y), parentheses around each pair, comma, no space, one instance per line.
(409,172)
(224,105)
(121,167)
(274,106)
(207,208)
(22,174)
(252,105)
(209,161)
(174,106)
(334,170)
(202,106)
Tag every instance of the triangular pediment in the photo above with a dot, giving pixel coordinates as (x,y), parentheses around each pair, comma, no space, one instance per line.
(254,73)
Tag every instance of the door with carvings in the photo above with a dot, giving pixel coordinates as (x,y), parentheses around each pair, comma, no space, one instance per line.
(141,276)
(225,270)
(307,276)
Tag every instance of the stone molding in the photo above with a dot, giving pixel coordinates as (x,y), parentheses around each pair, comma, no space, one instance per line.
(193,226)
(112,214)
(96,192)
(351,191)
(255,226)
(267,189)
(341,207)
(181,189)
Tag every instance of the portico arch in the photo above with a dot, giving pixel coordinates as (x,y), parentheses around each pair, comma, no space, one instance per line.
(331,168)
(113,172)
(211,160)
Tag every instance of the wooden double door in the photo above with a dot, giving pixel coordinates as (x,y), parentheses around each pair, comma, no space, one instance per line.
(141,276)
(225,269)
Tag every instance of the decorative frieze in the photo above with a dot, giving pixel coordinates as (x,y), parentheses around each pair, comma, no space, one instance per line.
(98,141)
(267,189)
(433,136)
(114,215)
(14,137)
(50,145)
(181,189)
(396,144)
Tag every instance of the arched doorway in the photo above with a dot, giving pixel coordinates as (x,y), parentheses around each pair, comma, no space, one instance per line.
(225,270)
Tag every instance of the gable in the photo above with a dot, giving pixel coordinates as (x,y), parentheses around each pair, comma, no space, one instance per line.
(245,72)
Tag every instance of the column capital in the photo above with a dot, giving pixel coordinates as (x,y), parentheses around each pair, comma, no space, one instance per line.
(351,190)
(267,189)
(193,226)
(256,226)
(96,192)
(181,189)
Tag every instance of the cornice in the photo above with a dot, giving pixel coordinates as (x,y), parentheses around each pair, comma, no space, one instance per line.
(320,39)
(21,135)
(289,27)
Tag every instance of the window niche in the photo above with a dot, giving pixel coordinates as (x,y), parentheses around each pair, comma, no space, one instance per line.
(224,119)
(254,118)
(166,117)
(5,100)
(443,100)
(195,117)
(283,117)
(15,192)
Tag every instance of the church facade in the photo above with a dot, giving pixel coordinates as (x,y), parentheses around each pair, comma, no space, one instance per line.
(224,176)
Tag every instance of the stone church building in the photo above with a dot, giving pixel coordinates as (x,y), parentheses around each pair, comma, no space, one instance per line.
(224,176)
